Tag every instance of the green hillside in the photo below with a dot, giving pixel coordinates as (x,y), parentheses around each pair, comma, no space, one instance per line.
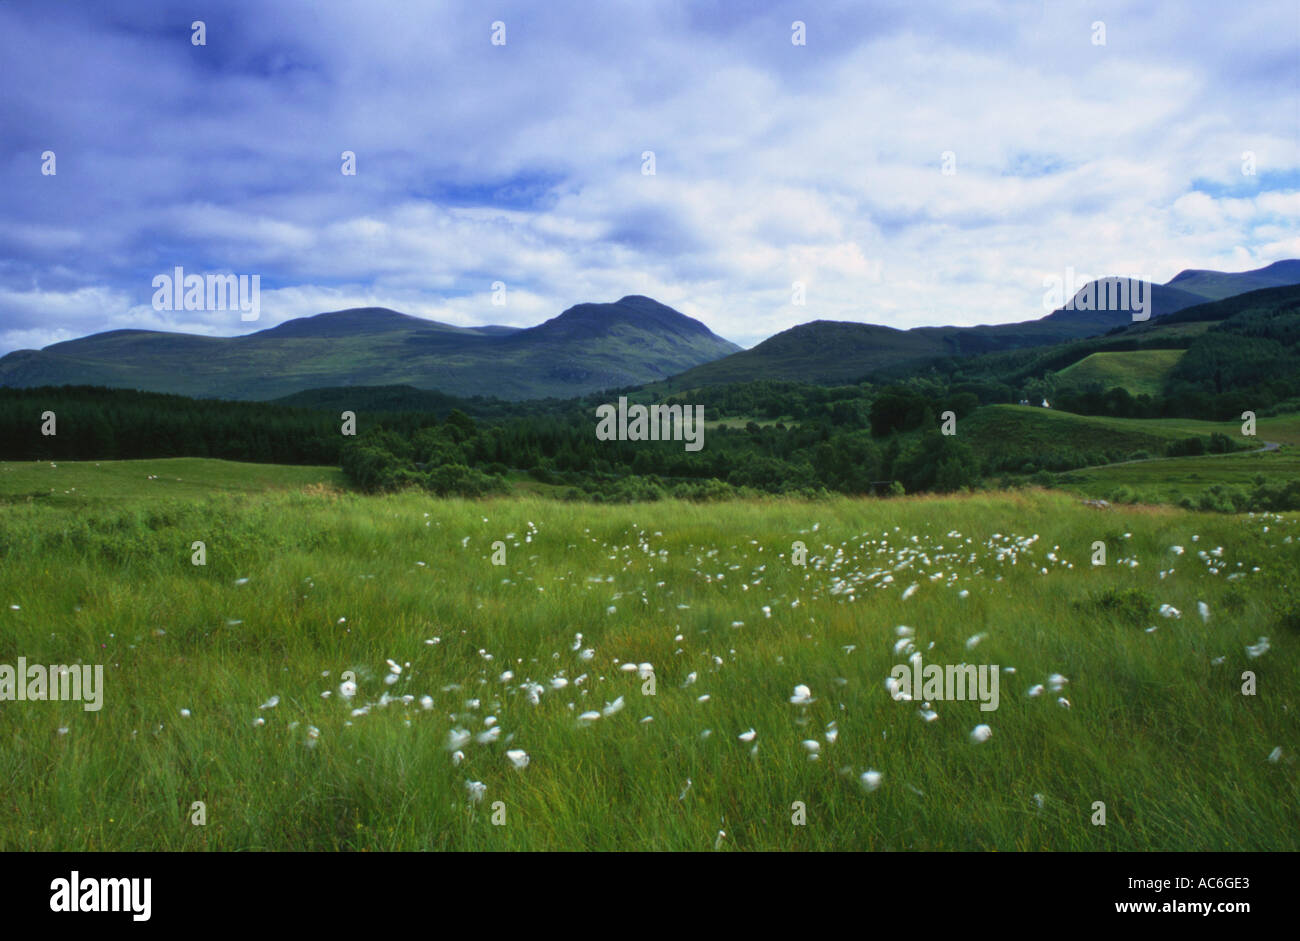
(1141,372)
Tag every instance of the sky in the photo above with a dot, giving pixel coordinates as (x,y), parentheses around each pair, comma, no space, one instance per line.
(908,164)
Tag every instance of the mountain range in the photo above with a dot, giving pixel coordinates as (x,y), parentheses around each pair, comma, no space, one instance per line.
(829,352)
(588,348)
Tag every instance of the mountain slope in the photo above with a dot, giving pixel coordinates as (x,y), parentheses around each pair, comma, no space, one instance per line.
(830,352)
(587,348)
(1215,285)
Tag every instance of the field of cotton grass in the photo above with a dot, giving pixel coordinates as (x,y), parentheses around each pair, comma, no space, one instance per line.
(354,673)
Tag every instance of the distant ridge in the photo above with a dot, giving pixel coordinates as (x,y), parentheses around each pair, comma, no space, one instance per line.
(587,348)
(828,352)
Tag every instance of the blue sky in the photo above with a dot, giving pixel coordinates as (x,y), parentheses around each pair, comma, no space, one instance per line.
(522,163)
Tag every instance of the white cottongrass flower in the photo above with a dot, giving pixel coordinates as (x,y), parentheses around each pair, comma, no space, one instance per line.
(812,747)
(476,789)
(1169,611)
(722,835)
(457,757)
(1203,610)
(457,738)
(981,733)
(518,757)
(241,581)
(270,703)
(558,682)
(426,702)
(185,713)
(1275,755)
(904,631)
(490,736)
(613,707)
(1259,649)
(926,713)
(832,733)
(802,696)
(870,780)
(973,641)
(347,689)
(1063,702)
(894,686)
(748,736)
(390,679)
(1036,690)
(909,591)
(963,593)
(587,654)
(588,717)
(1176,550)
(644,671)
(259,721)
(1057,682)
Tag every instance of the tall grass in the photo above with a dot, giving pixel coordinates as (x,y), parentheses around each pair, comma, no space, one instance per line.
(1154,728)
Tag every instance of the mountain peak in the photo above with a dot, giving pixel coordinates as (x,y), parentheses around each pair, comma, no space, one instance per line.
(353,321)
(634,310)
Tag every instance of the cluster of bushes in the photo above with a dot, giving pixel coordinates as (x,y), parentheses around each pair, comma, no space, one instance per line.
(1191,447)
(432,459)
(1262,497)
(650,489)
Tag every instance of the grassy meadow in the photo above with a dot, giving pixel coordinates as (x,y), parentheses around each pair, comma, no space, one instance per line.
(1141,372)
(499,664)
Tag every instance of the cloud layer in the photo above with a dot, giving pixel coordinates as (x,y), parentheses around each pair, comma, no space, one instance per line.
(523,163)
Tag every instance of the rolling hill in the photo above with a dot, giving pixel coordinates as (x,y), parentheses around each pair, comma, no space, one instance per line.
(587,348)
